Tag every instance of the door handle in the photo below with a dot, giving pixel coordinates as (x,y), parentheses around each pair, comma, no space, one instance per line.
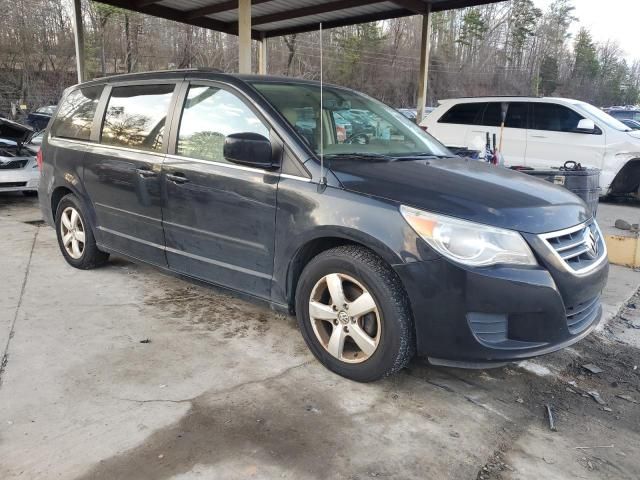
(177,178)
(146,172)
(538,136)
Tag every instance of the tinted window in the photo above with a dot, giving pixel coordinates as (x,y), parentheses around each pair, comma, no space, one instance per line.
(517,115)
(209,115)
(76,113)
(492,115)
(463,114)
(555,118)
(625,114)
(136,116)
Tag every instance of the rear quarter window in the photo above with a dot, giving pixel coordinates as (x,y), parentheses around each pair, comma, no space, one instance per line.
(75,116)
(463,114)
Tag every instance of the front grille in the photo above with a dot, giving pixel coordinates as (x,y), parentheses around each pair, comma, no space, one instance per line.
(579,248)
(14,164)
(580,316)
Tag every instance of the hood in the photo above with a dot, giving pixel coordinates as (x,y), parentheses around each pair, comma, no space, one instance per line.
(466,189)
(15,132)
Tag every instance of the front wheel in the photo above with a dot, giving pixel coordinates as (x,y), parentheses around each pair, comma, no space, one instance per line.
(354,314)
(75,235)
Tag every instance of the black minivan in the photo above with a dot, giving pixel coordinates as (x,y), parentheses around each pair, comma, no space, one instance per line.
(388,247)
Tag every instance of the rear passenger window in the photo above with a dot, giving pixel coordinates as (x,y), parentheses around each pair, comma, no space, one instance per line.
(208,116)
(554,118)
(76,112)
(517,115)
(463,114)
(492,115)
(136,116)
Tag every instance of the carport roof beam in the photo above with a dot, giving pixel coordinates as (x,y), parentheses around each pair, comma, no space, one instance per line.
(270,18)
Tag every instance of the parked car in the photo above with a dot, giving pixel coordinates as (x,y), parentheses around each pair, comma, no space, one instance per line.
(18,168)
(545,133)
(622,113)
(361,126)
(40,118)
(382,249)
(632,124)
(412,113)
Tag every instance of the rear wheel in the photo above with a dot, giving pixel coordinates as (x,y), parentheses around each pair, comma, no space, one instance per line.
(354,314)
(75,235)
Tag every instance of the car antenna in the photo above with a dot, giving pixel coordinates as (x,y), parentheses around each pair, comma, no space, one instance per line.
(323,178)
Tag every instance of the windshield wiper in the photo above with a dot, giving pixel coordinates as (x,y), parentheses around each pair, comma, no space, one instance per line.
(360,156)
(421,156)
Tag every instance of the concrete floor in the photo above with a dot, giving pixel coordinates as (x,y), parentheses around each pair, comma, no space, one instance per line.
(227,389)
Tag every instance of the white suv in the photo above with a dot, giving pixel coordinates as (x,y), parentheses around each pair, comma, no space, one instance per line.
(544,133)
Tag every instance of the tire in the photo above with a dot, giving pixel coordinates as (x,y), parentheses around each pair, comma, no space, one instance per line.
(87,255)
(389,343)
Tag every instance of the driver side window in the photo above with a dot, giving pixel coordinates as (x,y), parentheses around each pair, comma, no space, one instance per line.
(208,116)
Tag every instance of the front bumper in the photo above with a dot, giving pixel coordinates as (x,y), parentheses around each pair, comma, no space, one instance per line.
(494,315)
(18,180)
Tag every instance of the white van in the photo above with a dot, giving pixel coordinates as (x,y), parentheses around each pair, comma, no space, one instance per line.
(544,133)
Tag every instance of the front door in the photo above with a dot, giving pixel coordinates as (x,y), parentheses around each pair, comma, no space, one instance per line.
(553,139)
(219,217)
(122,172)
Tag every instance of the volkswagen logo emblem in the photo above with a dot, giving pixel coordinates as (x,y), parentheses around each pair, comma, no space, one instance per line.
(591,244)
(343,317)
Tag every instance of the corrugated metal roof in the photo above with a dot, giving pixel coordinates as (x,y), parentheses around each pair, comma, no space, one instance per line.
(282,17)
(327,17)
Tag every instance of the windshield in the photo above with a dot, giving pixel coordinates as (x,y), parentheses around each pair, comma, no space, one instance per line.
(352,123)
(602,116)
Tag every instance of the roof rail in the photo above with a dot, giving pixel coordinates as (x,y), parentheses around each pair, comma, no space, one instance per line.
(177,70)
(497,96)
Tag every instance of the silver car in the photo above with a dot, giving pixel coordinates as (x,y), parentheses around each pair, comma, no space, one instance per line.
(18,166)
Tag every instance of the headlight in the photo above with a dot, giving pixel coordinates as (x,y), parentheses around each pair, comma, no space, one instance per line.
(469,243)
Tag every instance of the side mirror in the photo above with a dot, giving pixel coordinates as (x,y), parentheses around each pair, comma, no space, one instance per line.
(249,149)
(586,126)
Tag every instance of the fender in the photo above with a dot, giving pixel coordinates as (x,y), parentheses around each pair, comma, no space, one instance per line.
(309,220)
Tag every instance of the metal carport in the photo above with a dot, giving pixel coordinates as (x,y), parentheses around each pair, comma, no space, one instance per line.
(261,19)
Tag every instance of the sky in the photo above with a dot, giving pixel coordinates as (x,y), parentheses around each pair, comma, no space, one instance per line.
(609,20)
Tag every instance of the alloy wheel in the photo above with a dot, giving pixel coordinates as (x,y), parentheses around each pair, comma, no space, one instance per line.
(345,318)
(73,233)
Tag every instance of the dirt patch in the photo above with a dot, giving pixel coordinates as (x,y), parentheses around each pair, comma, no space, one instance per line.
(291,427)
(35,223)
(198,308)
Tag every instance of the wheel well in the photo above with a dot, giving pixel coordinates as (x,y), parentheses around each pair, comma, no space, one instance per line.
(56,196)
(628,178)
(304,256)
